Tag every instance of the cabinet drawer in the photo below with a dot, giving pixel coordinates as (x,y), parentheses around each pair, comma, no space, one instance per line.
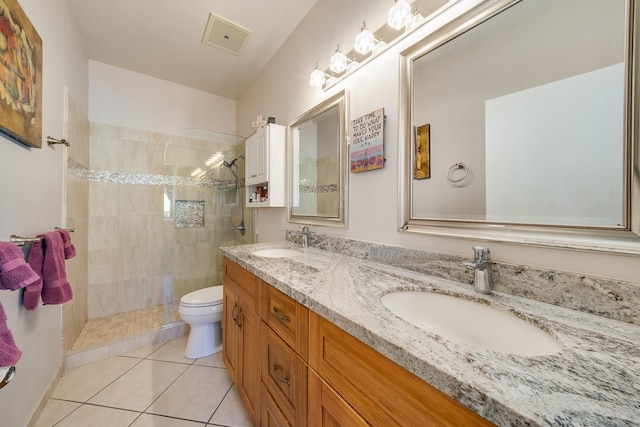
(285,376)
(380,390)
(288,318)
(247,285)
(327,408)
(270,414)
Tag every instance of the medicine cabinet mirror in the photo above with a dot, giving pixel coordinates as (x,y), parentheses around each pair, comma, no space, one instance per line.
(531,134)
(317,165)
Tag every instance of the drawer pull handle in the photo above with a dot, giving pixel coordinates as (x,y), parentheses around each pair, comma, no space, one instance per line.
(276,368)
(233,313)
(280,315)
(239,314)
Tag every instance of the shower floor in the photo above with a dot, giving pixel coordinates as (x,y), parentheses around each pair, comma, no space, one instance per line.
(106,330)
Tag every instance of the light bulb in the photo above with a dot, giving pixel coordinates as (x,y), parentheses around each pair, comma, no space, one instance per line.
(338,62)
(365,41)
(399,15)
(317,77)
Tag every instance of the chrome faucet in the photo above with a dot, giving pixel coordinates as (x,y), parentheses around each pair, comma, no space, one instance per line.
(305,233)
(481,270)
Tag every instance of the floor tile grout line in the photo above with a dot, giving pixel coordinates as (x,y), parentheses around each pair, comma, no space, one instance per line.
(220,404)
(114,380)
(165,390)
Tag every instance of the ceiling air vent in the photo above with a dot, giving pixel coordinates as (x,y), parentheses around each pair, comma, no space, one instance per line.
(225,35)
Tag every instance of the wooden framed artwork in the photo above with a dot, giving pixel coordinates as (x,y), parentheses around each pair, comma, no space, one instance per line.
(20,76)
(423,153)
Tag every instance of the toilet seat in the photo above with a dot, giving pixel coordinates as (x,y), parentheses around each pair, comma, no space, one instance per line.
(205,297)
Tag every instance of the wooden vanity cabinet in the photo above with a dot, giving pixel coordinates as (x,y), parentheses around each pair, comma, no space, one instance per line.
(241,334)
(294,368)
(381,391)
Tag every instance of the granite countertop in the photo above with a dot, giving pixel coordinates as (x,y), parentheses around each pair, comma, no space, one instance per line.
(593,381)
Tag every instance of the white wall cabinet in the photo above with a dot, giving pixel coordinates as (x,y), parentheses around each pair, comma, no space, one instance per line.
(265,167)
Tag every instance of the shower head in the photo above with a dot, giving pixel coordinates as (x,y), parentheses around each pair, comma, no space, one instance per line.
(227,164)
(233,162)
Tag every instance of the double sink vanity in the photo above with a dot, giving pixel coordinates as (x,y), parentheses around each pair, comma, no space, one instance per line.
(511,360)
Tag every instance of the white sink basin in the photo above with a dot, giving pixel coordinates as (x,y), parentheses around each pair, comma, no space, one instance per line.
(471,323)
(276,253)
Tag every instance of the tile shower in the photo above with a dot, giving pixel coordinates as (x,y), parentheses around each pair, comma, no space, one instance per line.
(159,206)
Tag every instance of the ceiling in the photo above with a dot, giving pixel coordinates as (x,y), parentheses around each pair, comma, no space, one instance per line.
(163,38)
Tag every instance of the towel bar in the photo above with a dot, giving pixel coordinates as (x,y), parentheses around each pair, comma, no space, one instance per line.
(70,230)
(6,375)
(51,141)
(21,241)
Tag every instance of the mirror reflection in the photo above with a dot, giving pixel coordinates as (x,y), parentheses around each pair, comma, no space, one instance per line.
(526,116)
(317,144)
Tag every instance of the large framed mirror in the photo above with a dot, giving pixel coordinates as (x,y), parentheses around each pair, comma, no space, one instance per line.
(317,164)
(523,111)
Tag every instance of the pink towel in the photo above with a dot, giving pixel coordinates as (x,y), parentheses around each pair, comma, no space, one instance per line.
(47,259)
(69,249)
(9,352)
(15,273)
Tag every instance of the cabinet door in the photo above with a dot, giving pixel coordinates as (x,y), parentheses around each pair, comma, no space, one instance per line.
(256,160)
(327,408)
(230,330)
(248,372)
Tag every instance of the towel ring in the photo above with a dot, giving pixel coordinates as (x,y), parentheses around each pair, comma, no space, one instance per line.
(455,167)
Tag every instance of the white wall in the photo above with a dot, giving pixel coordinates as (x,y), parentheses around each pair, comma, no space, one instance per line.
(32,202)
(282,90)
(125,98)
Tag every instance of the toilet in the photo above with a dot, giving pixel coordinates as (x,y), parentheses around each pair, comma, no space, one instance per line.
(202,310)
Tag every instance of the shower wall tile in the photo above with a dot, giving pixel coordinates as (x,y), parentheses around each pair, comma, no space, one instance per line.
(104,232)
(154,231)
(133,262)
(132,199)
(137,135)
(133,156)
(153,290)
(100,129)
(103,299)
(104,198)
(133,231)
(104,266)
(131,295)
(155,200)
(155,160)
(104,153)
(154,259)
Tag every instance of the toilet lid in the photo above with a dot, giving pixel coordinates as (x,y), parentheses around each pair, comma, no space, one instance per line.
(203,297)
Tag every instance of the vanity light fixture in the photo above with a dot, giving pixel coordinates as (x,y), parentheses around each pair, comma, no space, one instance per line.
(338,62)
(365,41)
(317,78)
(399,15)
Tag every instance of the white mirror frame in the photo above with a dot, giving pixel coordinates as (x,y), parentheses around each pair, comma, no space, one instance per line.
(625,241)
(340,100)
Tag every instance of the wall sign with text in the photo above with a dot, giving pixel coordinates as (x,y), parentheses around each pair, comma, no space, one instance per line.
(366,149)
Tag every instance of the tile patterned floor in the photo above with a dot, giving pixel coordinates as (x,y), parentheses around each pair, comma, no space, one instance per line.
(104,330)
(155,386)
